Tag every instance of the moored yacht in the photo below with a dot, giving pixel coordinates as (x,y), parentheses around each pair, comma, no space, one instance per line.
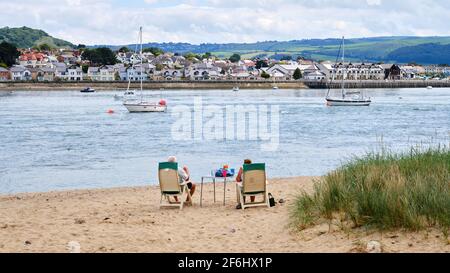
(351,98)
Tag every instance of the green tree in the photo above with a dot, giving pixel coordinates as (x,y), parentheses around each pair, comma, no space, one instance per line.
(207,55)
(45,47)
(100,56)
(81,46)
(124,49)
(191,56)
(8,53)
(265,75)
(235,58)
(85,68)
(154,50)
(297,74)
(260,64)
(3,65)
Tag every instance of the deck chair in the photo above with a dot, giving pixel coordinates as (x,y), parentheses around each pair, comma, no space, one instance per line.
(253,183)
(171,187)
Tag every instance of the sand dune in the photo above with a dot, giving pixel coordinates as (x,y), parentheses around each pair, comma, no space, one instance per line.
(129,220)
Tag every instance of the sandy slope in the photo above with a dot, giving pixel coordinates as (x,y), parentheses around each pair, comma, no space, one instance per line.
(129,220)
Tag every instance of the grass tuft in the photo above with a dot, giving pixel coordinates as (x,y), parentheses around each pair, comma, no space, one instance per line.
(384,191)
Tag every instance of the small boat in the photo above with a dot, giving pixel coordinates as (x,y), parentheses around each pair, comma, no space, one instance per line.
(346,98)
(430,87)
(275,88)
(348,102)
(143,106)
(236,89)
(88,90)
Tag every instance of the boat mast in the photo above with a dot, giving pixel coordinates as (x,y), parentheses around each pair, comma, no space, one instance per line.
(140,54)
(345,68)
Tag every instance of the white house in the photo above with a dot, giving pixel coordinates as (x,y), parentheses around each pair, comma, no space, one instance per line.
(203,71)
(134,72)
(74,73)
(172,74)
(20,73)
(107,73)
(283,71)
(94,73)
(315,76)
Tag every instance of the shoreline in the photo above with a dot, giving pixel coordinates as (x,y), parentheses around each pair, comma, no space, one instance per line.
(129,220)
(219,85)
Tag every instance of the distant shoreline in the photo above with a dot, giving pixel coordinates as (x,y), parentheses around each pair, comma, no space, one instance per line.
(218,85)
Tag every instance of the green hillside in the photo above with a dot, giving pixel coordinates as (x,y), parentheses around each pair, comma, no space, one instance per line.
(25,37)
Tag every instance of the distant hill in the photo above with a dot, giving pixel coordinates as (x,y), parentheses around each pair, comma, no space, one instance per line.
(399,49)
(25,37)
(378,49)
(426,53)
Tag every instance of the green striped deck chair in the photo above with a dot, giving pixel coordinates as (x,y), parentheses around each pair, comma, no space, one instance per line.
(170,186)
(254,183)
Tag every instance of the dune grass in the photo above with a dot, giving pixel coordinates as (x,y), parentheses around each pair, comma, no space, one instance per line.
(384,191)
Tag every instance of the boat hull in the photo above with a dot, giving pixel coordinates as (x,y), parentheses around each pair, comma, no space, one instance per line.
(144,107)
(343,102)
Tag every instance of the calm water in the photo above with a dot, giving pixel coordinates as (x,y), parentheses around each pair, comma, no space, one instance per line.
(66,140)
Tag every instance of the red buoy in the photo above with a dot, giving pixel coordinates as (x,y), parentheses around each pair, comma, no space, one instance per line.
(162,102)
(110,111)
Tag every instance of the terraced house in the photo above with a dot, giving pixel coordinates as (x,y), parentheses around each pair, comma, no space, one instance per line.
(358,71)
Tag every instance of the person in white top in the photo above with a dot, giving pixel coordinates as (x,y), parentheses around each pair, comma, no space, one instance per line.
(184,176)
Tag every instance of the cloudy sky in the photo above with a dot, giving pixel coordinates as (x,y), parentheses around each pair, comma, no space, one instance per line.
(219,21)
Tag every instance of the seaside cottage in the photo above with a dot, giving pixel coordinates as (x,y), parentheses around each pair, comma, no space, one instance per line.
(203,71)
(107,73)
(134,72)
(93,73)
(315,76)
(392,71)
(5,75)
(283,71)
(46,74)
(74,73)
(20,73)
(172,74)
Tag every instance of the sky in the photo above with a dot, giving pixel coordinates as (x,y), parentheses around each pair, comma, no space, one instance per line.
(114,22)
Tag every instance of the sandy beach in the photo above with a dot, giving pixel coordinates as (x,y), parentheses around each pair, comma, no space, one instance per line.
(129,220)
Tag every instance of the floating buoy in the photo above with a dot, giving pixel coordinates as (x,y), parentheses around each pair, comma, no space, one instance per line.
(162,102)
(110,111)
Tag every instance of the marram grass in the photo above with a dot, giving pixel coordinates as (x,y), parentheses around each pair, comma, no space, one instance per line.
(384,191)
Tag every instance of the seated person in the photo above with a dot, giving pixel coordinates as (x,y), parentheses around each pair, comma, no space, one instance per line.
(184,176)
(239,180)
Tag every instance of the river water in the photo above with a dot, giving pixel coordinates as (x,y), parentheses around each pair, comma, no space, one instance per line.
(60,140)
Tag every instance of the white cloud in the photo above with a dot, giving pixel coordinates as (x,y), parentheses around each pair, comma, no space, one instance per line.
(197,21)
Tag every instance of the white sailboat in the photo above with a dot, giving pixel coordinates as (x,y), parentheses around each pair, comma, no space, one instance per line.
(352,98)
(136,106)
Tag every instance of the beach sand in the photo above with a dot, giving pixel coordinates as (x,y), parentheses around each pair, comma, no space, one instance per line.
(129,220)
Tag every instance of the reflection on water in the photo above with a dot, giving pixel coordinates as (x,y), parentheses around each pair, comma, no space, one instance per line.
(66,140)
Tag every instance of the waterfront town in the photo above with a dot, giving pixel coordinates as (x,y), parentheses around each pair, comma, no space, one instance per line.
(61,65)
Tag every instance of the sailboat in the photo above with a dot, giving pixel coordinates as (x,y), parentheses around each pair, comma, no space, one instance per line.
(136,106)
(353,98)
